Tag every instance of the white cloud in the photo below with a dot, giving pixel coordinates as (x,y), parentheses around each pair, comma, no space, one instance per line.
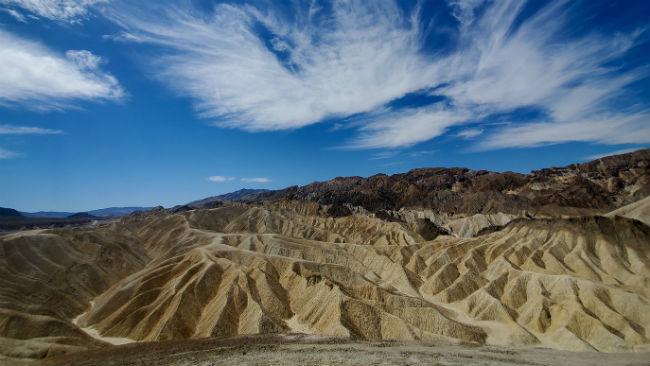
(470,133)
(17,15)
(121,37)
(417,154)
(565,78)
(398,153)
(385,155)
(255,180)
(355,58)
(24,130)
(84,60)
(407,127)
(360,58)
(30,72)
(6,154)
(63,10)
(607,129)
(617,152)
(463,10)
(219,178)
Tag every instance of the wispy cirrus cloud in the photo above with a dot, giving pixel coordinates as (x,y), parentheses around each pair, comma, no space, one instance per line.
(62,10)
(32,73)
(121,37)
(315,65)
(385,155)
(463,10)
(618,128)
(416,154)
(22,130)
(470,133)
(389,154)
(27,130)
(219,178)
(17,15)
(255,68)
(6,154)
(406,127)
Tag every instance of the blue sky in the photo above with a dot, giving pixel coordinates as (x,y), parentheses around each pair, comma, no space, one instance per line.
(115,103)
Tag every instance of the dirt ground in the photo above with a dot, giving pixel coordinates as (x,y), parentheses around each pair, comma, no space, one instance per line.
(299,349)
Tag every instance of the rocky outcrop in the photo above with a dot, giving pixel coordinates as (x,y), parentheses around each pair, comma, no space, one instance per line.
(594,187)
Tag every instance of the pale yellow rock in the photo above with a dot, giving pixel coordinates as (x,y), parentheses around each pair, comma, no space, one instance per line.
(572,283)
(639,210)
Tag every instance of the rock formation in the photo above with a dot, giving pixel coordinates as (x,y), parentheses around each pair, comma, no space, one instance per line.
(577,278)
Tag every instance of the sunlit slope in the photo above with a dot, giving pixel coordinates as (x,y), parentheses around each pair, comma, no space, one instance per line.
(49,276)
(577,283)
(639,210)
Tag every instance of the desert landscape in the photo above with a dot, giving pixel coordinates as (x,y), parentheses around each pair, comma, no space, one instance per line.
(324,182)
(433,266)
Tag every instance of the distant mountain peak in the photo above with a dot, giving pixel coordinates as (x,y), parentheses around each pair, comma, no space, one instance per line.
(232,196)
(9,212)
(101,213)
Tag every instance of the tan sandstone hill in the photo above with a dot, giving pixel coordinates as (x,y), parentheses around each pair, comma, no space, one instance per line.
(578,283)
(49,276)
(639,210)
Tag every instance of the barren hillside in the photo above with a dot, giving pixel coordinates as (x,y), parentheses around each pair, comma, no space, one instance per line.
(597,186)
(538,263)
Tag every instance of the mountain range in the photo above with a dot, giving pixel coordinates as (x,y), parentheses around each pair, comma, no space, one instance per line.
(122,211)
(102,212)
(599,185)
(558,258)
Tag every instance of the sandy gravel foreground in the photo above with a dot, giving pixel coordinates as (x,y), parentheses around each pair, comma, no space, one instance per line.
(318,350)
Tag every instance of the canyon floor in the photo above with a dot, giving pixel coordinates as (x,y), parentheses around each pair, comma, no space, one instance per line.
(301,349)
